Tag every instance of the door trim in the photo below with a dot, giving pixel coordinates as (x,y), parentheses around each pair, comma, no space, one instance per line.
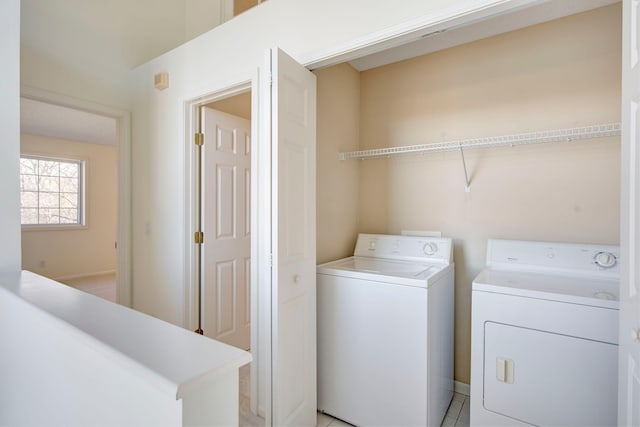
(629,349)
(191,107)
(123,234)
(192,262)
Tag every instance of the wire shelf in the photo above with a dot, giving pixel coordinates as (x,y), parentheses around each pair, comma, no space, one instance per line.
(556,135)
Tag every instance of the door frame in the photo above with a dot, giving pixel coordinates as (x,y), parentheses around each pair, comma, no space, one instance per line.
(192,261)
(191,107)
(628,368)
(124,295)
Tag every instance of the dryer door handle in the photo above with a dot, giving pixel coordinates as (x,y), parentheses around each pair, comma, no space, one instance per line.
(504,370)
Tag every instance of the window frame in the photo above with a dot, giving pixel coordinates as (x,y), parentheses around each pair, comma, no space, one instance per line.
(82,193)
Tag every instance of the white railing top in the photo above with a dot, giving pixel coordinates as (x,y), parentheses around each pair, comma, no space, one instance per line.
(172,358)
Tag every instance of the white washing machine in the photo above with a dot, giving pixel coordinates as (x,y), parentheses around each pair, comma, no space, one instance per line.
(545,335)
(385,332)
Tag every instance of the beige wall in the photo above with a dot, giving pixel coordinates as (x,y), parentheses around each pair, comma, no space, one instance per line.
(239,105)
(560,74)
(66,253)
(338,115)
(240,6)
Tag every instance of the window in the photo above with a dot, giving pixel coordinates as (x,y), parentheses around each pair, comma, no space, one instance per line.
(51,191)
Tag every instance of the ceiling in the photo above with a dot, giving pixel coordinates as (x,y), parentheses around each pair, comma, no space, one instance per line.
(39,118)
(102,39)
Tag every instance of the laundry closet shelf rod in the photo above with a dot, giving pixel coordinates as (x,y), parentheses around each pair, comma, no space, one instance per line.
(556,135)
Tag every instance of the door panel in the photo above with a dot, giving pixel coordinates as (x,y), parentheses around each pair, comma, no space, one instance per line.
(227,241)
(553,379)
(225,293)
(293,119)
(629,361)
(293,164)
(225,203)
(247,201)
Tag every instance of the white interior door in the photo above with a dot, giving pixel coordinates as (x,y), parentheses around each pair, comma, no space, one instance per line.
(629,362)
(226,251)
(293,296)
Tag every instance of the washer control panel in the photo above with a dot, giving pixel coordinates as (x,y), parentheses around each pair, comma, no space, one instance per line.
(411,248)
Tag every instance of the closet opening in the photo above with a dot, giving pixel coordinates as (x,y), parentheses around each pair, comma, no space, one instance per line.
(533,70)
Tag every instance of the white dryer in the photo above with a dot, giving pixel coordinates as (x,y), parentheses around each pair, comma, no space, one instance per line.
(545,335)
(385,332)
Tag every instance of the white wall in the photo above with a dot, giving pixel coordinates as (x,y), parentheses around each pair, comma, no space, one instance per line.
(10,135)
(212,62)
(59,253)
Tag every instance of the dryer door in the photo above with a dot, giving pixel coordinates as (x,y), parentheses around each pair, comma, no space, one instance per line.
(544,378)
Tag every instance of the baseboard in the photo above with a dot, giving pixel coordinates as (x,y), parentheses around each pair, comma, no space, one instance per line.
(462,388)
(84,275)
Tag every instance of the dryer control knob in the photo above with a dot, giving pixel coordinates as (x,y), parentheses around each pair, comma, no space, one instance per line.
(430,248)
(605,259)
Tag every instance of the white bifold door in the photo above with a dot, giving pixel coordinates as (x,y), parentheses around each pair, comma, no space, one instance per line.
(226,251)
(288,92)
(629,361)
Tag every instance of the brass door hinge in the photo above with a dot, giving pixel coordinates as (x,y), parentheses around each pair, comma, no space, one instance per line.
(199,138)
(198,237)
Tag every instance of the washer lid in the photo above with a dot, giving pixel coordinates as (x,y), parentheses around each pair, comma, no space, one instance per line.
(383,270)
(598,292)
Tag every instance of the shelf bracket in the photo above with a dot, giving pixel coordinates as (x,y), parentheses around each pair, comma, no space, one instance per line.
(464,167)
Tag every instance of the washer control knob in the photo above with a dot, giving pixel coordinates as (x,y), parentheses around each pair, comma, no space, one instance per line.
(605,259)
(430,248)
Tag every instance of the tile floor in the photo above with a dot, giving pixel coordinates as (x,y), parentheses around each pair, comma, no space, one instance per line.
(247,418)
(457,415)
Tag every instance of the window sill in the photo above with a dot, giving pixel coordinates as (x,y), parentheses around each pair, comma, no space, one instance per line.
(70,227)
